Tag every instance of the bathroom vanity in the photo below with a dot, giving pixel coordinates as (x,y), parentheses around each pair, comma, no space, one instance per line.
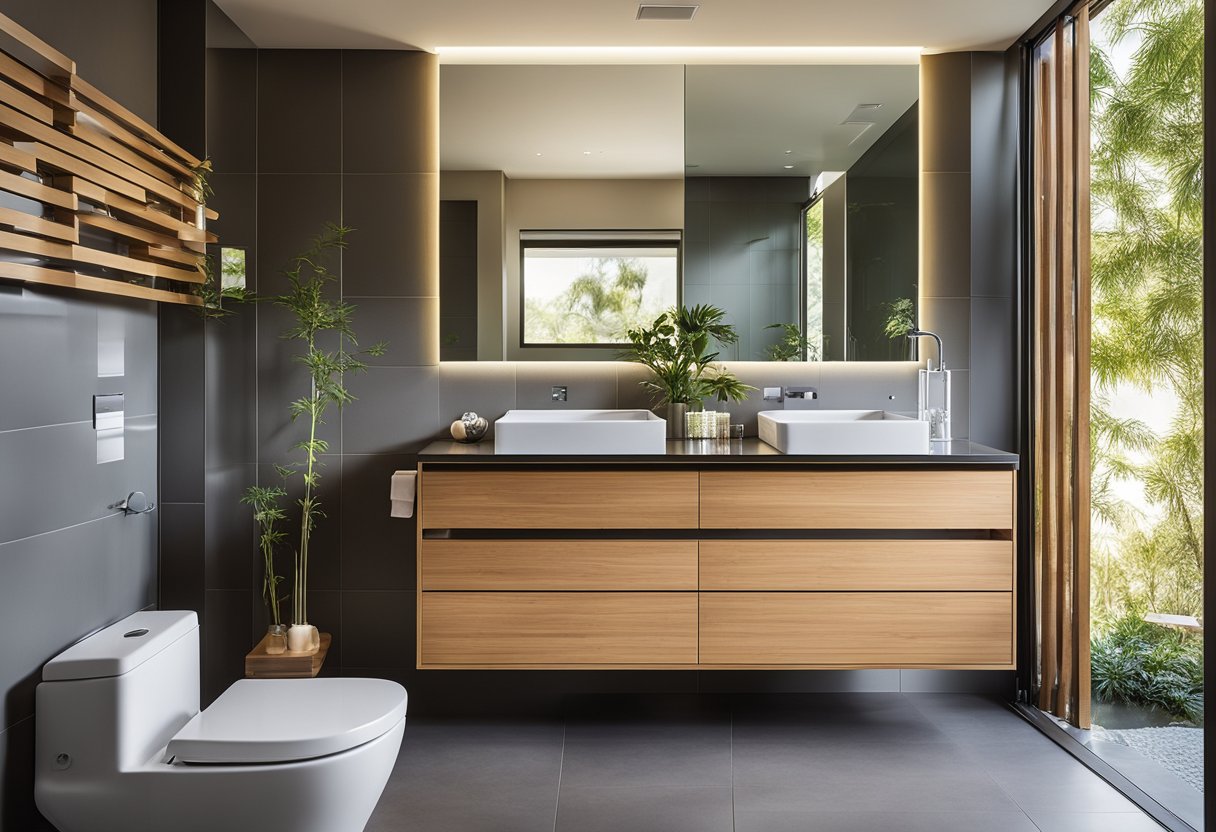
(716,556)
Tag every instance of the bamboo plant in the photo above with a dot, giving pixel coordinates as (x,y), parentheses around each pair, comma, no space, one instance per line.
(268,513)
(318,318)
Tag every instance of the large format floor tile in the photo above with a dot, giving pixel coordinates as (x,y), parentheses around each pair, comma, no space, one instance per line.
(852,762)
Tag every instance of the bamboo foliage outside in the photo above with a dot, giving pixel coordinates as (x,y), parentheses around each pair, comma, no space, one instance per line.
(1061,392)
(119,207)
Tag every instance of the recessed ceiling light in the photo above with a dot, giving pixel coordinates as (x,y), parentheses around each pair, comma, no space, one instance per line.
(586,152)
(788,167)
(540,154)
(656,11)
(788,152)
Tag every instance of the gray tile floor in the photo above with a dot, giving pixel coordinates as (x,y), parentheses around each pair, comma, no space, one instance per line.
(785,763)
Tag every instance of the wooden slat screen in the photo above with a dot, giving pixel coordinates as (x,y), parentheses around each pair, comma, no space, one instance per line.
(95,197)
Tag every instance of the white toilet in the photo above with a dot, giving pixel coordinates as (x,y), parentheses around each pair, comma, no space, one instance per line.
(122,746)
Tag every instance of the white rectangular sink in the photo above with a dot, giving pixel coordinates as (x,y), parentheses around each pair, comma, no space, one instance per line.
(843,432)
(594,432)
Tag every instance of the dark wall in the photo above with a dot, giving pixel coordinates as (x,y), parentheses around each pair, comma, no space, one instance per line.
(69,564)
(742,241)
(882,240)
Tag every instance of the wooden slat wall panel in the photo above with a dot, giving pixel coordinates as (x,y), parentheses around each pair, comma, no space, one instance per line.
(137,185)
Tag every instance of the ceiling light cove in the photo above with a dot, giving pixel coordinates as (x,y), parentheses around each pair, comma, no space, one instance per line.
(778,55)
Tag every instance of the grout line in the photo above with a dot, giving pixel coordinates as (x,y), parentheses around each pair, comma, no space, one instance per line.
(560,766)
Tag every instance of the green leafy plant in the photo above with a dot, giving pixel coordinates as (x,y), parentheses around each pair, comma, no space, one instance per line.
(319,319)
(792,346)
(268,513)
(1146,81)
(901,318)
(675,348)
(1145,665)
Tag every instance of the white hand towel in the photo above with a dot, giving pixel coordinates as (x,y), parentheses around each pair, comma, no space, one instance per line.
(401,493)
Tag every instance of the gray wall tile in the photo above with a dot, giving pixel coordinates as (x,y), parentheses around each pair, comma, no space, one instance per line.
(183,557)
(994,369)
(299,111)
(945,111)
(232,110)
(409,327)
(589,385)
(382,93)
(377,550)
(487,388)
(950,318)
(293,209)
(227,641)
(869,386)
(396,410)
(229,528)
(394,247)
(60,586)
(59,482)
(379,628)
(945,241)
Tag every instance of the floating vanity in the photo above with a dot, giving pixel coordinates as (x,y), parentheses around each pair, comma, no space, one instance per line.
(716,556)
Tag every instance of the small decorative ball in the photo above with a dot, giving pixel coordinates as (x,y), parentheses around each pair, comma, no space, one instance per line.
(470,428)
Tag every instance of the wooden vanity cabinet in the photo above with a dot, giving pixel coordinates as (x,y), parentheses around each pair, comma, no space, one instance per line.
(717,568)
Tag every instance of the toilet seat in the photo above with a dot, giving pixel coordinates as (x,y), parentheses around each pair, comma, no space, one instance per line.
(283,720)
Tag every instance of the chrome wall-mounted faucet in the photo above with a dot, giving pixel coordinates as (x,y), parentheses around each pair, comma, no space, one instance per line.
(792,398)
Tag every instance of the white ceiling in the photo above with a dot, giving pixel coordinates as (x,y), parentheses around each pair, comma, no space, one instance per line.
(585,122)
(938,25)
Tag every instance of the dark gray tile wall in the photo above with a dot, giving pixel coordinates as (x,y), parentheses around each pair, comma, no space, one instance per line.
(741,250)
(69,564)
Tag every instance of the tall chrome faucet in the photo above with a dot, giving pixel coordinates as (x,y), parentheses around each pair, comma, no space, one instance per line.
(941,355)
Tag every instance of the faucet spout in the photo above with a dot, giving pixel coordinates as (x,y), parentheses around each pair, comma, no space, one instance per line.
(941,354)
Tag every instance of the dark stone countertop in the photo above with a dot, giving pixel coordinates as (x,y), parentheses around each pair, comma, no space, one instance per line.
(739,451)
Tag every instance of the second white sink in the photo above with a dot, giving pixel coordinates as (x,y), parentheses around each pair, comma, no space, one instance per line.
(577,432)
(843,432)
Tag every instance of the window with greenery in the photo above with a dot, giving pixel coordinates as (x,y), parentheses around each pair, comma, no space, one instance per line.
(591,292)
(814,281)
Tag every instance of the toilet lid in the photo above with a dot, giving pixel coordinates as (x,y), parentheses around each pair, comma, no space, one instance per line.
(280,720)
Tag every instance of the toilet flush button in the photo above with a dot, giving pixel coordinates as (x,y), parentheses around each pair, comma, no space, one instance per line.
(142,631)
(62,762)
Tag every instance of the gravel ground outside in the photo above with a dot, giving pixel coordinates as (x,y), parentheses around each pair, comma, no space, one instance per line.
(1177,748)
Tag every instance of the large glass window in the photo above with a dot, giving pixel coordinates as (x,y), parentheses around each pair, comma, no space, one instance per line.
(590,292)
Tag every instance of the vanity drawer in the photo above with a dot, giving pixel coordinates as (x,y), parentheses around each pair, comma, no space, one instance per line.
(559,565)
(898,499)
(775,565)
(558,628)
(559,499)
(843,629)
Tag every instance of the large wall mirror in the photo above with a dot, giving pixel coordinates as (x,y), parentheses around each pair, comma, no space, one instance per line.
(578,201)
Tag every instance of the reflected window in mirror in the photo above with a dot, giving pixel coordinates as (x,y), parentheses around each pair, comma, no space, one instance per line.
(591,290)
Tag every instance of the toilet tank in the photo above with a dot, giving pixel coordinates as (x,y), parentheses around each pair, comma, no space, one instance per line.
(112,701)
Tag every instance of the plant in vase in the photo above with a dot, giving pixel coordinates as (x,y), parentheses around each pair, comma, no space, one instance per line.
(268,513)
(318,319)
(675,348)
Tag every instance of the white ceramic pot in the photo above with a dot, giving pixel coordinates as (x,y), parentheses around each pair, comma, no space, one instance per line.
(302,638)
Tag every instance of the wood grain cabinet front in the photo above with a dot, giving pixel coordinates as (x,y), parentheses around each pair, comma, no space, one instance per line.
(559,500)
(901,499)
(857,629)
(834,565)
(567,629)
(554,565)
(652,567)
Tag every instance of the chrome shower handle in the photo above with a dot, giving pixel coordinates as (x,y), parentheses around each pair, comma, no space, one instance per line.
(134,503)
